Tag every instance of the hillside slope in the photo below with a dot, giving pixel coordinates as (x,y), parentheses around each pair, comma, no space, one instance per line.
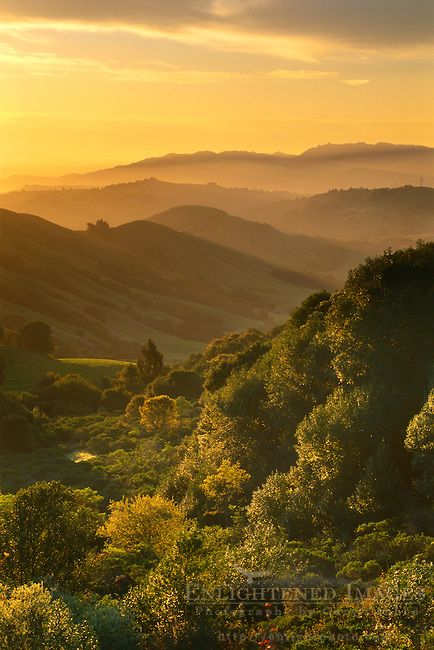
(24,369)
(104,297)
(73,208)
(394,217)
(397,216)
(325,258)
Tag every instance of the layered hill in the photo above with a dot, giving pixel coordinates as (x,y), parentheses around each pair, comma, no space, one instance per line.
(316,170)
(325,258)
(73,208)
(103,296)
(389,217)
(385,217)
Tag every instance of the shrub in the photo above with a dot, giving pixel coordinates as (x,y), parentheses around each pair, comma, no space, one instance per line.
(71,395)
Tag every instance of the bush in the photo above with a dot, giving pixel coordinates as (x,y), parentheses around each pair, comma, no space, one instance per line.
(31,618)
(178,383)
(71,395)
(115,399)
(37,337)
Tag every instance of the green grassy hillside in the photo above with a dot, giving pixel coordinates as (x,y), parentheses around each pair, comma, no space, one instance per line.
(24,369)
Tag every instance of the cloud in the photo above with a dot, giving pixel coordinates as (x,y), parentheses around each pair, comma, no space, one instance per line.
(365,24)
(355,82)
(50,64)
(299,74)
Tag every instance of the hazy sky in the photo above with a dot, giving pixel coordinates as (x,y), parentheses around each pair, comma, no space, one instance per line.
(86,83)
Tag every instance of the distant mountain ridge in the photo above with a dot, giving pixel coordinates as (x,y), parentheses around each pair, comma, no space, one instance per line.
(315,170)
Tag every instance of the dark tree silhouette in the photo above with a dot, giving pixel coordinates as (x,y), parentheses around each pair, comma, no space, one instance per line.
(37,337)
(150,364)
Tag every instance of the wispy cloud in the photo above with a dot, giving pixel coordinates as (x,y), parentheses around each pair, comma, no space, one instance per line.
(355,82)
(40,63)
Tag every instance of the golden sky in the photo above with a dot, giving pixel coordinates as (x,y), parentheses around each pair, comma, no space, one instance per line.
(91,83)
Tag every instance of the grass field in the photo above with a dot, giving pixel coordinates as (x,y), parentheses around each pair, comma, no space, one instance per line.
(25,369)
(20,470)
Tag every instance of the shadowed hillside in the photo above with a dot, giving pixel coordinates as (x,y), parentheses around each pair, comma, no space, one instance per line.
(105,296)
(325,258)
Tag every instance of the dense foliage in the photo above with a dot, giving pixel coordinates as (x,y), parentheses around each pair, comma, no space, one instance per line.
(302,459)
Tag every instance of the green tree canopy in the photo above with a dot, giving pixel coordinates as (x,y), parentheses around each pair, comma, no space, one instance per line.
(48,529)
(32,619)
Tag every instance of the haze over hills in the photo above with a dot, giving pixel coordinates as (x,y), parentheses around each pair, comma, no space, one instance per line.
(380,218)
(325,258)
(387,217)
(316,170)
(117,204)
(103,296)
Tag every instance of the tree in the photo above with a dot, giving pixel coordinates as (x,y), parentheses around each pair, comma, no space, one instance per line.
(380,331)
(115,399)
(37,337)
(71,395)
(159,415)
(238,423)
(225,486)
(178,383)
(145,524)
(380,543)
(420,441)
(379,491)
(333,443)
(161,612)
(150,364)
(130,379)
(48,530)
(110,621)
(132,410)
(165,616)
(300,374)
(31,619)
(220,368)
(269,505)
(405,600)
(99,229)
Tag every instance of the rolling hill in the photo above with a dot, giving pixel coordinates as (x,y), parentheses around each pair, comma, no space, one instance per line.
(325,258)
(386,217)
(369,220)
(316,170)
(104,296)
(73,208)
(24,369)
